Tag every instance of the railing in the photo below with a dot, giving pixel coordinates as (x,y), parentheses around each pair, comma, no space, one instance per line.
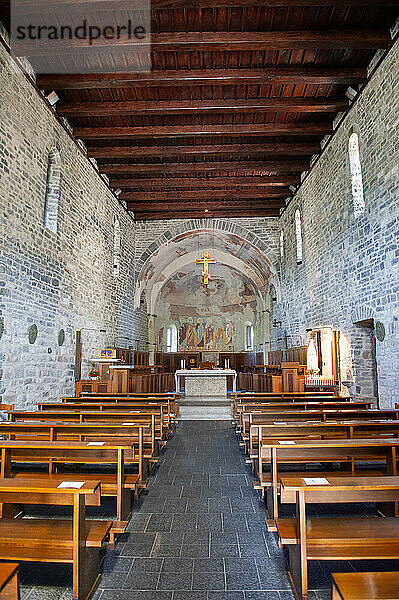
(319,380)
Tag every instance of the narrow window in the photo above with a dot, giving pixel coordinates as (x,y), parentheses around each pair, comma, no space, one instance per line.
(249,336)
(356,175)
(171,339)
(298,233)
(52,197)
(117,248)
(281,244)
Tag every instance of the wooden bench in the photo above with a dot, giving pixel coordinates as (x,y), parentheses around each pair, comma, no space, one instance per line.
(345,429)
(307,418)
(325,452)
(240,412)
(151,418)
(353,538)
(365,586)
(164,408)
(132,433)
(75,542)
(54,454)
(9,581)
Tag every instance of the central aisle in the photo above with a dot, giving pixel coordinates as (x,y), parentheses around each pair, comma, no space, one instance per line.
(198,532)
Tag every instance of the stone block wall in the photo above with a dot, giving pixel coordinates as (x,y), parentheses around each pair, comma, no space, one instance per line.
(350,265)
(61,280)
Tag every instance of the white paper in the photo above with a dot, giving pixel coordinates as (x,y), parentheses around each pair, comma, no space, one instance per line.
(129,423)
(71,484)
(316,481)
(134,411)
(286,442)
(280,423)
(95,443)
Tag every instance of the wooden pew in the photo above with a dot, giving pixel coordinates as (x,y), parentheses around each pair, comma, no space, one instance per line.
(138,435)
(164,409)
(365,586)
(75,542)
(174,407)
(150,418)
(370,538)
(9,581)
(54,454)
(346,452)
(238,408)
(253,421)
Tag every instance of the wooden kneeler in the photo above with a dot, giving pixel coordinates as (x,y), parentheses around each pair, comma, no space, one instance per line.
(75,542)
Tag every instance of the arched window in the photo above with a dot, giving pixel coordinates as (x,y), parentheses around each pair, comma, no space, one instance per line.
(171,339)
(249,336)
(52,198)
(298,233)
(356,175)
(281,244)
(117,248)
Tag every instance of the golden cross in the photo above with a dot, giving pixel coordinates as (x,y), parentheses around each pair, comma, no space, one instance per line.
(205,260)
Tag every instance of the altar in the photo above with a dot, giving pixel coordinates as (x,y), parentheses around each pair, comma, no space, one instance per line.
(205,383)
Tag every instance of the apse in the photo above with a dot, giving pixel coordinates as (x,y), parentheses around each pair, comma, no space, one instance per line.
(212,316)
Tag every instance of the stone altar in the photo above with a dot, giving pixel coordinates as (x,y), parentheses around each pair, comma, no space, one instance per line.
(206,394)
(203,383)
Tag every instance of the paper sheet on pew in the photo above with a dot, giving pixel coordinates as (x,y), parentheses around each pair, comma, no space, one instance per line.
(96,443)
(316,481)
(71,484)
(280,423)
(286,442)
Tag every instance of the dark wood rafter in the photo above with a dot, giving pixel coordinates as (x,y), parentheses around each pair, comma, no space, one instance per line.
(222,213)
(104,5)
(206,183)
(197,196)
(231,41)
(169,107)
(296,149)
(267,75)
(210,205)
(172,131)
(256,167)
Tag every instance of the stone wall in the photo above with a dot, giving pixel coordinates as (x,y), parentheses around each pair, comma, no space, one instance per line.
(349,272)
(61,280)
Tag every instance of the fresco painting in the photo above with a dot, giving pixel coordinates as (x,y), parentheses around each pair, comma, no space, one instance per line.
(201,334)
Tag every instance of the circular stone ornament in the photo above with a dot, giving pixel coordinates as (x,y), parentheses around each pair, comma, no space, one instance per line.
(1,327)
(61,337)
(380,331)
(32,334)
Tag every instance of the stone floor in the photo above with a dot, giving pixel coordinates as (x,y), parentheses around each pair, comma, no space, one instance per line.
(198,533)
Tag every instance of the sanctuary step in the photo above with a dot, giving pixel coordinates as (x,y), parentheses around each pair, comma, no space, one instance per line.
(205,410)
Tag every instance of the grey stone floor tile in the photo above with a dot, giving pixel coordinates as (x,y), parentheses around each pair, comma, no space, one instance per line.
(135,595)
(236,595)
(207,581)
(264,595)
(175,581)
(192,595)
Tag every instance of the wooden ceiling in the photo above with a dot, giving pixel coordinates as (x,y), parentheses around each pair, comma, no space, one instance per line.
(240,95)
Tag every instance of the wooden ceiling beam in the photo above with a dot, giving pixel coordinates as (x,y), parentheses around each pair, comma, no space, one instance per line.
(294,149)
(106,5)
(207,182)
(170,107)
(173,131)
(219,205)
(142,198)
(220,41)
(293,166)
(267,75)
(200,214)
